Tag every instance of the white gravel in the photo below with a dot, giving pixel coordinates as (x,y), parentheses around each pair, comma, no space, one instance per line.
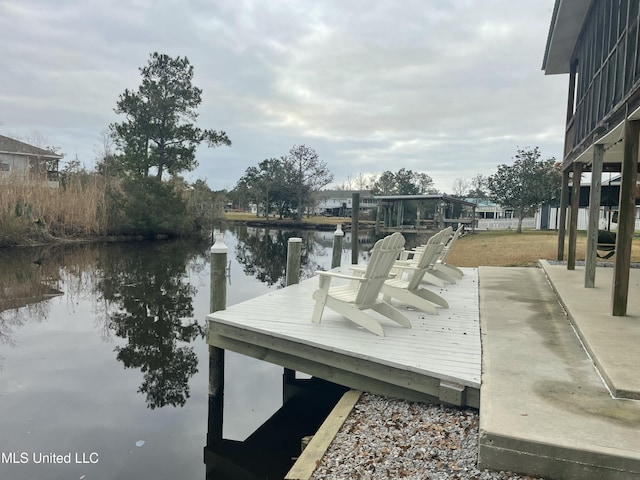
(388,438)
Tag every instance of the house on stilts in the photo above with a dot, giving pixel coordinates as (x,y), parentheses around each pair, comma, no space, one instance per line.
(596,44)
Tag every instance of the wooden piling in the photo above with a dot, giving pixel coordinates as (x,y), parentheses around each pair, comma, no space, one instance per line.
(336,257)
(217,301)
(355,223)
(294,252)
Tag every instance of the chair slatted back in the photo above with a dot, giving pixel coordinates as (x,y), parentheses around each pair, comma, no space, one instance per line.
(449,246)
(433,249)
(383,255)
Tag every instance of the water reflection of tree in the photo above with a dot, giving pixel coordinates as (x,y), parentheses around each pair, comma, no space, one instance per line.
(263,254)
(147,286)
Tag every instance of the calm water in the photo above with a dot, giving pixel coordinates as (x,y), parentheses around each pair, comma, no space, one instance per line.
(104,366)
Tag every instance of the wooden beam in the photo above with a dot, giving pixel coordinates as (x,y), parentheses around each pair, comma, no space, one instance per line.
(562,221)
(594,214)
(626,220)
(573,216)
(347,371)
(308,461)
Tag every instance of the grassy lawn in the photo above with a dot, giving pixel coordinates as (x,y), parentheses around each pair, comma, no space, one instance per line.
(498,248)
(510,249)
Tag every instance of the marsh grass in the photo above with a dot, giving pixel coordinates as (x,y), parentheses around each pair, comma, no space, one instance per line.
(31,211)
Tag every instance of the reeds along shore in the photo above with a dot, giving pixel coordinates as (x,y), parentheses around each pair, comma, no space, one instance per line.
(31,210)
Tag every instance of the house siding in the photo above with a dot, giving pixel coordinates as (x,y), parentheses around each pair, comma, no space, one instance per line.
(15,163)
(606,70)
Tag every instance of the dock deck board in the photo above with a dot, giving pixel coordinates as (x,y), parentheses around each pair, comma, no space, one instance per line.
(437,359)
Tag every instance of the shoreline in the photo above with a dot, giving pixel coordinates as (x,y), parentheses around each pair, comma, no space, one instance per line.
(313,223)
(322,224)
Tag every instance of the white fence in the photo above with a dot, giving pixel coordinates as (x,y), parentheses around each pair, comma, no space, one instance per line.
(606,219)
(504,223)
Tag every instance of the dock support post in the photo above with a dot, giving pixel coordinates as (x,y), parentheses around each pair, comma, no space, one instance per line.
(218,301)
(355,225)
(336,256)
(294,254)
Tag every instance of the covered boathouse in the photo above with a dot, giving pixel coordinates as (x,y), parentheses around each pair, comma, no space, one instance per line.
(423,213)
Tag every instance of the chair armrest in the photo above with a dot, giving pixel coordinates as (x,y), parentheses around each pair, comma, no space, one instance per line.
(410,267)
(340,275)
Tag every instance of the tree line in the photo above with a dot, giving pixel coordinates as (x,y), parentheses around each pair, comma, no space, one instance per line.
(141,191)
(158,135)
(285,185)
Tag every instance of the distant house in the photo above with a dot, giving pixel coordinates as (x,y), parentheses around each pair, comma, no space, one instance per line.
(338,203)
(485,208)
(22,159)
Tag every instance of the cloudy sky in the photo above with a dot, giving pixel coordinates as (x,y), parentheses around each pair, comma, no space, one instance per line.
(450,88)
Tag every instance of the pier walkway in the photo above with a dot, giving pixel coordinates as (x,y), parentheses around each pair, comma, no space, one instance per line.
(438,359)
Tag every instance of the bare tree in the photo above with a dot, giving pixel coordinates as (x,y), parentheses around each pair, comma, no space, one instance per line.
(479,184)
(461,187)
(308,174)
(364,182)
(107,163)
(105,147)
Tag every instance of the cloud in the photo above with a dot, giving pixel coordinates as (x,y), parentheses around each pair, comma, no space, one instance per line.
(448,88)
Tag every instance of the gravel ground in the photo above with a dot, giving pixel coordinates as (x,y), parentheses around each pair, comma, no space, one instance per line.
(387,439)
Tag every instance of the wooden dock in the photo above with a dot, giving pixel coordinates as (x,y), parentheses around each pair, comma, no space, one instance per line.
(439,359)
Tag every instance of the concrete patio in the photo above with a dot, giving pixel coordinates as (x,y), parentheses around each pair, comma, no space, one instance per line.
(546,409)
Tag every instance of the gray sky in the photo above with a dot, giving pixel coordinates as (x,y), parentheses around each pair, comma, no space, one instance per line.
(450,88)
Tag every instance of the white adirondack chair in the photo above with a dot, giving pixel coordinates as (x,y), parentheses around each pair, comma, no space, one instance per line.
(363,291)
(407,287)
(441,265)
(430,275)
